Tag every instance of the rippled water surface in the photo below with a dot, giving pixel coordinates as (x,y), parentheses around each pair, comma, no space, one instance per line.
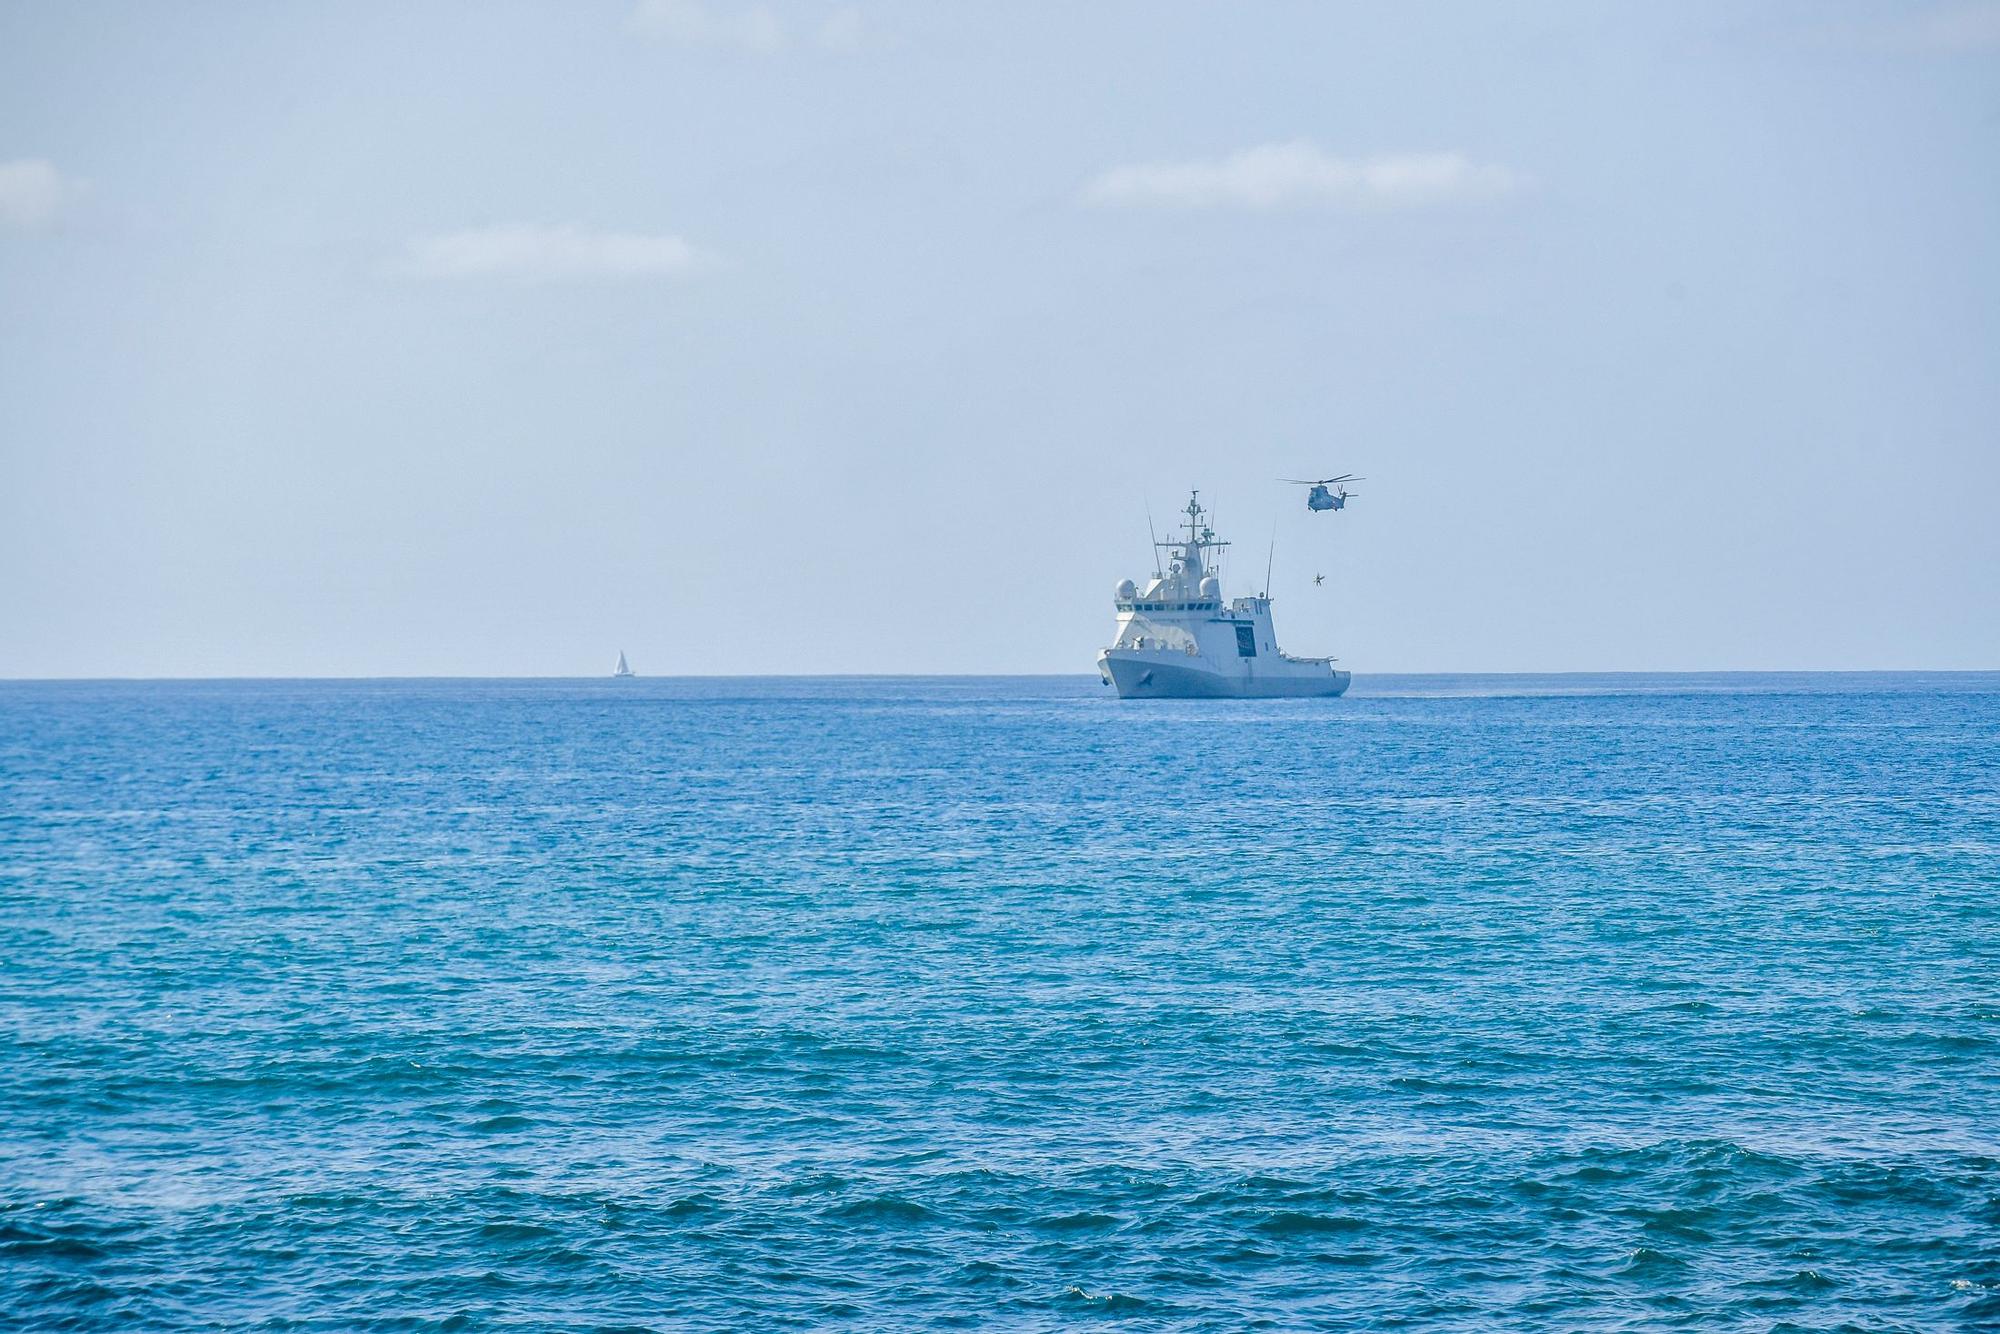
(1462,1002)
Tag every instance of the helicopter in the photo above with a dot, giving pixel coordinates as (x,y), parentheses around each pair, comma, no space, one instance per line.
(1320,498)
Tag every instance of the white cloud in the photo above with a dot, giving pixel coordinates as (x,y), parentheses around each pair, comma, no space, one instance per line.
(526,251)
(729,26)
(1953,29)
(842,30)
(1299,175)
(691,23)
(33,194)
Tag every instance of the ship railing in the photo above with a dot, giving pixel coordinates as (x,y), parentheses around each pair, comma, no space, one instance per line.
(1148,644)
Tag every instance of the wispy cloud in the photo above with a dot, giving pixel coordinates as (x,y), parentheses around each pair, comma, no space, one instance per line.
(841,30)
(755,29)
(526,251)
(691,23)
(1300,175)
(33,194)
(1952,29)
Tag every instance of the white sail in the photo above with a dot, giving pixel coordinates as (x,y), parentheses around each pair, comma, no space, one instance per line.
(624,668)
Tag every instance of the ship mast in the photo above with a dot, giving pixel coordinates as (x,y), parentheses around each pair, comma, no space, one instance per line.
(1200,538)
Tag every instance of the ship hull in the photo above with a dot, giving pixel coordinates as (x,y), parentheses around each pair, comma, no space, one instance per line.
(1142,675)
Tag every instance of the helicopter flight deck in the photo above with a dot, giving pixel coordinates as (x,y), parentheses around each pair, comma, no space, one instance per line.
(1178,639)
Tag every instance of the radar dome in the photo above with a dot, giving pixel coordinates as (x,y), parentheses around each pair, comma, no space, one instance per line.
(1127,590)
(1211,587)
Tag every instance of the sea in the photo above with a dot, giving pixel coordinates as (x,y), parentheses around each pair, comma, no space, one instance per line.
(1460,1003)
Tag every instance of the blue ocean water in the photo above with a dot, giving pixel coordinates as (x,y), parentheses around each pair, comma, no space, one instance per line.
(1463,1002)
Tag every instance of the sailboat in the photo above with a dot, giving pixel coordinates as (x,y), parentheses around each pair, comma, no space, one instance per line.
(623,668)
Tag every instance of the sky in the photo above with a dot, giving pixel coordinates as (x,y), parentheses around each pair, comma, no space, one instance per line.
(494,338)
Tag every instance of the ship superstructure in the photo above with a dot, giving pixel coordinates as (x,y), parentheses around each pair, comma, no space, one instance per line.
(1178,639)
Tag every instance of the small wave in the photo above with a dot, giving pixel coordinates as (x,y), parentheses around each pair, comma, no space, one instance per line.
(884,1209)
(984,1273)
(1290,1222)
(1805,1281)
(52,1248)
(1424,1084)
(819,1183)
(1647,1261)
(1080,1222)
(1686,1224)
(1107,1301)
(496,1125)
(515,1232)
(690,1206)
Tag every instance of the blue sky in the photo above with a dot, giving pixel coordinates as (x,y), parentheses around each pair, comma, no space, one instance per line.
(494,338)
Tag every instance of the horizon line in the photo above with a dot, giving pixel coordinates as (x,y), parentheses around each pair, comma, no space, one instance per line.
(995,676)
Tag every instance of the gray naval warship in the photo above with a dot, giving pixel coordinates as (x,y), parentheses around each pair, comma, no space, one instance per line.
(1178,639)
